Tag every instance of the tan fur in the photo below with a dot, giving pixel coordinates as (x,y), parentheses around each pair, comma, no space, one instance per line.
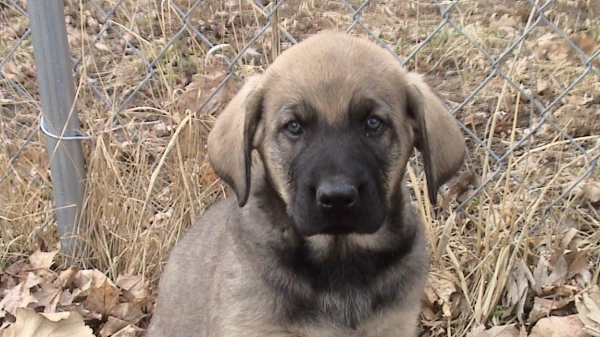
(226,277)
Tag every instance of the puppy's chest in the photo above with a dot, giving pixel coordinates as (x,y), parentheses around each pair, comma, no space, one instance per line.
(349,316)
(335,297)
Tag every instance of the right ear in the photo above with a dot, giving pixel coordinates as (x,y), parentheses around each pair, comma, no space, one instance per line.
(230,142)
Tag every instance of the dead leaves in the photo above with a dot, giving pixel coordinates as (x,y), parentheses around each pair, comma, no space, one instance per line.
(39,302)
(588,306)
(517,287)
(555,299)
(555,326)
(439,295)
(496,331)
(206,86)
(554,48)
(586,191)
(32,324)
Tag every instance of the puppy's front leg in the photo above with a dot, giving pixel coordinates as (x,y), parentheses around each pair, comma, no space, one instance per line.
(262,331)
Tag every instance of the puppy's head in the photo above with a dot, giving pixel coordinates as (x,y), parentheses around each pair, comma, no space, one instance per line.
(335,119)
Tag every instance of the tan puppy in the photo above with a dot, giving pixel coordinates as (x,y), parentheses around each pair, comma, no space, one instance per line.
(322,240)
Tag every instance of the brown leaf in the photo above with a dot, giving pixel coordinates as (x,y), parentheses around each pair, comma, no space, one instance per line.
(19,268)
(103,299)
(587,190)
(42,260)
(128,331)
(567,326)
(543,307)
(460,187)
(507,23)
(585,42)
(16,297)
(578,263)
(439,289)
(111,326)
(517,287)
(134,286)
(552,47)
(495,331)
(589,311)
(84,280)
(31,324)
(129,311)
(67,277)
(592,192)
(204,86)
(48,296)
(543,87)
(115,327)
(550,272)
(559,271)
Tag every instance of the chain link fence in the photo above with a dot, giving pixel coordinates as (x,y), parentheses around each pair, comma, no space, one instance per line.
(522,77)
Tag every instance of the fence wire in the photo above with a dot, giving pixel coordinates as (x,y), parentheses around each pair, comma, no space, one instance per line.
(521,76)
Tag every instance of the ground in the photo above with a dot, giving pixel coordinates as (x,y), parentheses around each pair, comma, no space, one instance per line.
(514,239)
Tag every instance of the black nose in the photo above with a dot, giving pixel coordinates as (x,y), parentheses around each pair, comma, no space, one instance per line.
(336,194)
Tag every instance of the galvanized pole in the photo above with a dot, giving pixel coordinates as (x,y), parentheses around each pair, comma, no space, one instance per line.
(59,122)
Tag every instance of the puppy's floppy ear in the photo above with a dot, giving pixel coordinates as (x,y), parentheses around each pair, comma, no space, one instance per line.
(437,134)
(230,142)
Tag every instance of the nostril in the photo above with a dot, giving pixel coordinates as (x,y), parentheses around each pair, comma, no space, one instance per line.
(334,193)
(324,201)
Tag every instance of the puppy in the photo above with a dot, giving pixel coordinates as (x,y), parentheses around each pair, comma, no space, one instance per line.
(320,239)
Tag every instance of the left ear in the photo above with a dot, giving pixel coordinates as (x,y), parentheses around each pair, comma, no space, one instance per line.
(230,142)
(437,134)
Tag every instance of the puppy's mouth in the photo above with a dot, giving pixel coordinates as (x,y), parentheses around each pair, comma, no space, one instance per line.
(338,230)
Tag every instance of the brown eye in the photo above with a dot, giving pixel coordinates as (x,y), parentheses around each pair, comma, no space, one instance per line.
(293,128)
(374,125)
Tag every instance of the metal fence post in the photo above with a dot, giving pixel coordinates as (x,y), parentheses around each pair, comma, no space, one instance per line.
(60,122)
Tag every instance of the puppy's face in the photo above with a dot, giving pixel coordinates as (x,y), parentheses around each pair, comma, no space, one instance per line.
(334,142)
(335,119)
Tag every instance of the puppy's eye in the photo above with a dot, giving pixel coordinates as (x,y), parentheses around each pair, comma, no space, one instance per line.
(374,125)
(293,128)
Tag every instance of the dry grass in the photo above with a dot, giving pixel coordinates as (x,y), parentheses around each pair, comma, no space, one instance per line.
(147,175)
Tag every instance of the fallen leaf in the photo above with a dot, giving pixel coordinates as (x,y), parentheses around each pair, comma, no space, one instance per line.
(48,296)
(31,324)
(84,280)
(56,316)
(552,47)
(578,263)
(460,187)
(495,331)
(585,42)
(543,87)
(103,299)
(67,277)
(589,312)
(543,307)
(558,275)
(133,285)
(440,287)
(507,23)
(592,192)
(128,331)
(554,326)
(204,85)
(111,326)
(517,287)
(129,311)
(42,260)
(16,297)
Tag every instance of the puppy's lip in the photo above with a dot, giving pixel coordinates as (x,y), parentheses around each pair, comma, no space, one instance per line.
(338,230)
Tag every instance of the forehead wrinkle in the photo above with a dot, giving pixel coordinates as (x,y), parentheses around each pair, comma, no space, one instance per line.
(331,101)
